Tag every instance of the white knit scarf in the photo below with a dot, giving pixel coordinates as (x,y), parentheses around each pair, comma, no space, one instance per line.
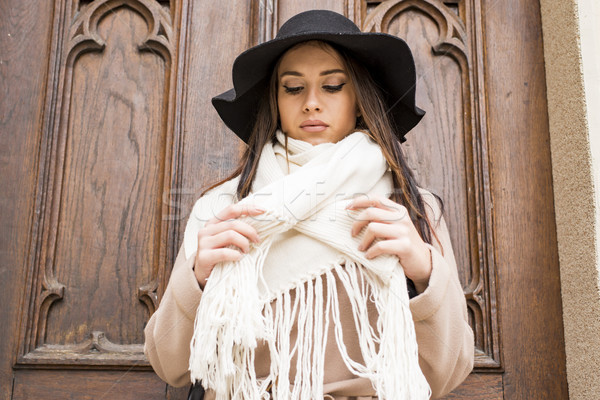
(251,300)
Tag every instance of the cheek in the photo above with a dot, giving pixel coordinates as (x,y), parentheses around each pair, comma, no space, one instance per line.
(349,111)
(282,111)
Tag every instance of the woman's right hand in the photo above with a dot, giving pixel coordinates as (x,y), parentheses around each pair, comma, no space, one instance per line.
(224,230)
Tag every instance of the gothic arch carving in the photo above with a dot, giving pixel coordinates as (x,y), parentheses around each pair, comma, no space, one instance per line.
(83,33)
(452,38)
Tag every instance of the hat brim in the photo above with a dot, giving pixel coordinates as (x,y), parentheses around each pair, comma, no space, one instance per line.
(387,58)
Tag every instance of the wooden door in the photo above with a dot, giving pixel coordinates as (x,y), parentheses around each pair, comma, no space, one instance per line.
(108,137)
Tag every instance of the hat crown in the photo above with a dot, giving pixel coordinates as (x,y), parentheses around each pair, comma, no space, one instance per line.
(317,21)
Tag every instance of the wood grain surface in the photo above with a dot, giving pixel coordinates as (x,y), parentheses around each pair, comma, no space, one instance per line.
(524,224)
(25,44)
(87,385)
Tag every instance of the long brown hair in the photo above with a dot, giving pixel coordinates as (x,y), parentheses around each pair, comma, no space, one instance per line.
(374,121)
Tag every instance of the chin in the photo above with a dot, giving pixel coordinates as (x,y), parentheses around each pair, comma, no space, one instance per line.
(319,140)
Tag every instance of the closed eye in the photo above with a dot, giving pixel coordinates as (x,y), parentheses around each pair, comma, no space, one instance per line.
(293,90)
(334,88)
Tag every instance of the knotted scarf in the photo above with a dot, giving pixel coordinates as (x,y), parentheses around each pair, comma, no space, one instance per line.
(266,293)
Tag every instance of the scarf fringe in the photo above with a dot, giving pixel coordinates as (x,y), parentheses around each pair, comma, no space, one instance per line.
(228,323)
(222,354)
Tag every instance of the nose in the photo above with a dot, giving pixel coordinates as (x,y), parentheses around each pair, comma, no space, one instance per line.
(312,102)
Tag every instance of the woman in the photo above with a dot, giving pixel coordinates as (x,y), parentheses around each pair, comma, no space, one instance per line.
(298,269)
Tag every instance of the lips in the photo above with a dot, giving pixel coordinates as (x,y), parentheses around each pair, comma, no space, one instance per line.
(313,125)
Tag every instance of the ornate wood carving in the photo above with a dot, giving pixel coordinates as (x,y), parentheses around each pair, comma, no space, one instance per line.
(447,41)
(96,350)
(74,154)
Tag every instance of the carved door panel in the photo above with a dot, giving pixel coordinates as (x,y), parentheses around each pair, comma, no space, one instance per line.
(98,242)
(115,139)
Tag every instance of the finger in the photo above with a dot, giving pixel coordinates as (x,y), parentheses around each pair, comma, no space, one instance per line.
(377,230)
(235,211)
(214,256)
(224,239)
(372,200)
(383,247)
(234,225)
(372,214)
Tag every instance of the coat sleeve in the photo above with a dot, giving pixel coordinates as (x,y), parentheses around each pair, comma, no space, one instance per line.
(444,337)
(170,329)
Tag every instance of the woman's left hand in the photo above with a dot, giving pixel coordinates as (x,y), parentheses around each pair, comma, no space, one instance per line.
(389,222)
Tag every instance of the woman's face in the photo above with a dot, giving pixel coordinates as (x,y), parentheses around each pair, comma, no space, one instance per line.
(315,97)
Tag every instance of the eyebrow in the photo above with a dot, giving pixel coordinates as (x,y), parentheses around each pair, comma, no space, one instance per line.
(323,73)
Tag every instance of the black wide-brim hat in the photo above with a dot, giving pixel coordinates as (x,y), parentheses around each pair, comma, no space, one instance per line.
(387,58)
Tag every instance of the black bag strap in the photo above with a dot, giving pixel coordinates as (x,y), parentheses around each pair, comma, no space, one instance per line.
(196,392)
